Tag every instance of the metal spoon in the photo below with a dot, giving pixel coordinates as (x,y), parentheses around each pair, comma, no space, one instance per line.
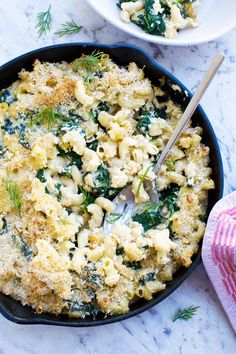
(125,200)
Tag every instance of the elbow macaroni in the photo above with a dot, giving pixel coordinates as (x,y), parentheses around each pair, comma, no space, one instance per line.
(64,177)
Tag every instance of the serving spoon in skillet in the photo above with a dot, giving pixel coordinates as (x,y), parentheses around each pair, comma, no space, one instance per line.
(125,200)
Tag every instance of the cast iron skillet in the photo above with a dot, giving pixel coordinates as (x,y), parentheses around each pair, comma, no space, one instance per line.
(121,54)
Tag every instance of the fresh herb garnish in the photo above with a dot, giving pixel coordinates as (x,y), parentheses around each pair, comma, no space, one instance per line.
(44,21)
(170,164)
(47,116)
(88,62)
(186,313)
(113,217)
(142,180)
(15,194)
(88,199)
(68,28)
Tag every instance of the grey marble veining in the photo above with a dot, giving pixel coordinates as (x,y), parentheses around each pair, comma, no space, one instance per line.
(153,331)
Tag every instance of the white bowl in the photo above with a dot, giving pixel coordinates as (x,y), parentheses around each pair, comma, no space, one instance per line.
(216,17)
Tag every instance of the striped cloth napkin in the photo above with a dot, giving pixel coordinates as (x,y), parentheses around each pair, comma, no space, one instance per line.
(219,253)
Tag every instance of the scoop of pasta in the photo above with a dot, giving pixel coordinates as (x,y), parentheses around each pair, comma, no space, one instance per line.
(147,190)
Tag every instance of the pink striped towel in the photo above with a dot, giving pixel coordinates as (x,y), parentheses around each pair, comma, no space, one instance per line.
(219,253)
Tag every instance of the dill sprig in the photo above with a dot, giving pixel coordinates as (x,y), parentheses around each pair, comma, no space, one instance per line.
(170,164)
(88,62)
(15,194)
(44,21)
(142,180)
(113,217)
(186,313)
(47,116)
(68,28)
(88,199)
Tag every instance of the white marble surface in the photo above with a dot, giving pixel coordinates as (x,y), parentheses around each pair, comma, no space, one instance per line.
(152,331)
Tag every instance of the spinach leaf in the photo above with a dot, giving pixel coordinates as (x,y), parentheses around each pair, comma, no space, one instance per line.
(178,96)
(1,150)
(4,226)
(58,187)
(133,265)
(120,251)
(102,184)
(5,96)
(23,142)
(103,106)
(40,175)
(71,122)
(102,181)
(69,210)
(148,277)
(155,213)
(88,309)
(88,199)
(151,22)
(47,190)
(8,127)
(66,172)
(144,123)
(71,252)
(93,145)
(148,219)
(75,158)
(169,199)
(145,118)
(28,253)
(160,113)
(94,278)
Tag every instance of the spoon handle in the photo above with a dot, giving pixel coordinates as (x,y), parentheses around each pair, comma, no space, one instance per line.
(209,75)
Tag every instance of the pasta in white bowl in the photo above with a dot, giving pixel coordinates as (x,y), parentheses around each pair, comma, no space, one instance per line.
(211,23)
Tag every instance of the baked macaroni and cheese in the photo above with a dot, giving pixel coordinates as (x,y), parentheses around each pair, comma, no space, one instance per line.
(73,135)
(160,17)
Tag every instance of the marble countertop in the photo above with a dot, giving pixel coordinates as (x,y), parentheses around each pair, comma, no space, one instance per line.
(152,331)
